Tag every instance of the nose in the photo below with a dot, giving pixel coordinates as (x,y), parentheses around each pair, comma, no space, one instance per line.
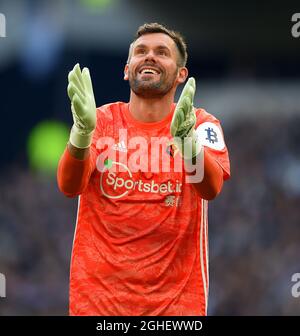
(150,56)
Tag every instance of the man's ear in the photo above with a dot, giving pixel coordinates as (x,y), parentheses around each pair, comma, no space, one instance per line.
(182,75)
(126,72)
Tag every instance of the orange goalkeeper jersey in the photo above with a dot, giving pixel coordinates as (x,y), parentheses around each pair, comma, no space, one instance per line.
(141,238)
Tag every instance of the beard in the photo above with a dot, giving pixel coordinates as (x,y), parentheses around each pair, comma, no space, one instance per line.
(147,87)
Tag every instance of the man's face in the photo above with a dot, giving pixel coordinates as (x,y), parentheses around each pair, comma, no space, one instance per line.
(152,69)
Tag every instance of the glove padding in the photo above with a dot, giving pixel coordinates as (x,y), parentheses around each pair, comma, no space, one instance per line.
(83,106)
(183,123)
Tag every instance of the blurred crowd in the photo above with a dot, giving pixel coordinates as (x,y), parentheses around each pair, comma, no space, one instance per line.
(254,229)
(255,223)
(36,232)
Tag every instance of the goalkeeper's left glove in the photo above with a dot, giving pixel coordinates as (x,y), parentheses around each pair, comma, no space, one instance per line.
(183,123)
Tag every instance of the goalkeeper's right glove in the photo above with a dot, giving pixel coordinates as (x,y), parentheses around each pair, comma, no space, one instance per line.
(83,106)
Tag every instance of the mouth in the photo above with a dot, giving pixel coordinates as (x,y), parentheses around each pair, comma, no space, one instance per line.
(149,71)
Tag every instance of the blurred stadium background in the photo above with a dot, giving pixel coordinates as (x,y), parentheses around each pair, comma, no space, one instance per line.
(247,66)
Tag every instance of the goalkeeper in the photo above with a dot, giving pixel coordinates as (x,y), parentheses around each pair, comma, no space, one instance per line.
(141,239)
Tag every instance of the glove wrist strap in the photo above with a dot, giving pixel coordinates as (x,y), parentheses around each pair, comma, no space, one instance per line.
(189,147)
(79,139)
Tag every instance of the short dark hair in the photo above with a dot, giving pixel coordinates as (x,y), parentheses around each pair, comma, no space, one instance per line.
(149,28)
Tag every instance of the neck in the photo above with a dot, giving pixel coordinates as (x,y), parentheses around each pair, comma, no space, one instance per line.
(150,109)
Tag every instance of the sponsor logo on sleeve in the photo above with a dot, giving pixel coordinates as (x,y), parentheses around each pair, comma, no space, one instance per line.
(210,135)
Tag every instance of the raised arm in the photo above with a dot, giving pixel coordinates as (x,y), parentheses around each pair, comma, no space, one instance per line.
(77,162)
(203,171)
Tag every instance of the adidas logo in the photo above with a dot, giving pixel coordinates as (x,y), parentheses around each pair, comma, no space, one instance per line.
(120,146)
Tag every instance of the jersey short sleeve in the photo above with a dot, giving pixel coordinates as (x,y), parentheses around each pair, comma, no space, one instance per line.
(210,135)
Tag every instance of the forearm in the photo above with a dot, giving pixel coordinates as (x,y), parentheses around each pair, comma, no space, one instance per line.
(74,170)
(210,183)
(78,153)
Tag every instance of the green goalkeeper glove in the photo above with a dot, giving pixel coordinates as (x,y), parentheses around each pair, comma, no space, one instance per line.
(80,92)
(183,123)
